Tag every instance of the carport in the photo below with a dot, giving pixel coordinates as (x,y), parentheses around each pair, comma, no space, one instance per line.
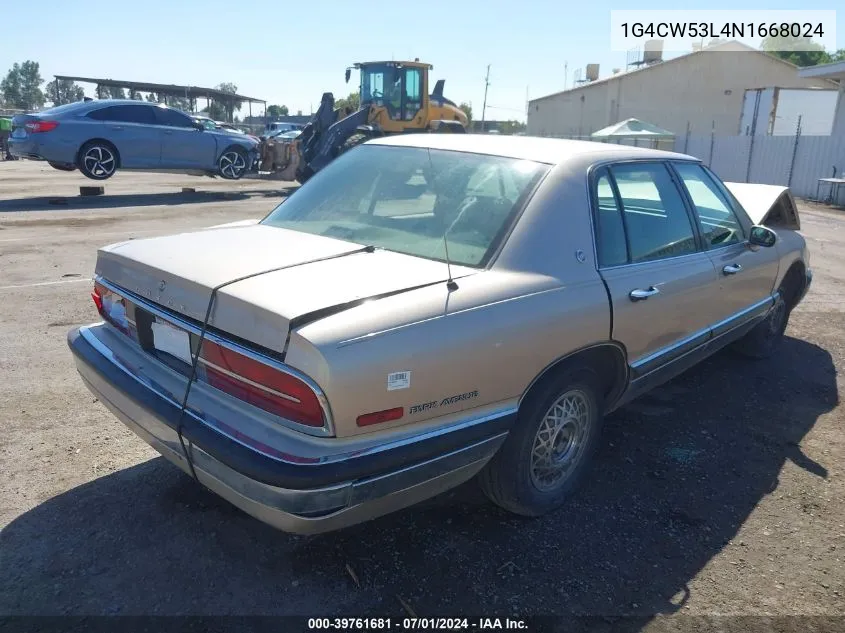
(835,72)
(192,93)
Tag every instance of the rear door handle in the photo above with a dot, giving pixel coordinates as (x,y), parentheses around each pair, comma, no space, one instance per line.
(731,269)
(640,294)
(115,127)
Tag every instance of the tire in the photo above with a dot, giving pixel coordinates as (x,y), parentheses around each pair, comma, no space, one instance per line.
(62,166)
(304,174)
(98,160)
(233,163)
(766,337)
(525,479)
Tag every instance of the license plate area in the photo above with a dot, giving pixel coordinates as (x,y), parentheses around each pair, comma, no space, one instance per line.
(169,339)
(19,132)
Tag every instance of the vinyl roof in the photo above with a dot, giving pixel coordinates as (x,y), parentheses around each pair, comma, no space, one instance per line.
(190,92)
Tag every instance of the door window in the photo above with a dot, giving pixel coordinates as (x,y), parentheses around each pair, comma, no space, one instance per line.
(655,216)
(719,224)
(413,88)
(172,118)
(125,114)
(611,247)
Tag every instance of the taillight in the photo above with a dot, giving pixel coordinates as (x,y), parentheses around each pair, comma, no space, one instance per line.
(35,127)
(261,385)
(111,306)
(378,417)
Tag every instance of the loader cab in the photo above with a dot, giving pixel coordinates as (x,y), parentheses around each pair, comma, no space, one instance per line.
(401,88)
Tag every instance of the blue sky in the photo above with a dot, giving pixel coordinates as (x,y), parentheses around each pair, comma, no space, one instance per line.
(290,53)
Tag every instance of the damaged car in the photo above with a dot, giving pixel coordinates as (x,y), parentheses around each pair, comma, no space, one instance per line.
(432,308)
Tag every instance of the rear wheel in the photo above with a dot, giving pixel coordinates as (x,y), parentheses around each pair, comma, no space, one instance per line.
(62,166)
(546,455)
(98,160)
(233,163)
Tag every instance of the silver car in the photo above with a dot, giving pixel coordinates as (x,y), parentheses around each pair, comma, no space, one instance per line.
(100,137)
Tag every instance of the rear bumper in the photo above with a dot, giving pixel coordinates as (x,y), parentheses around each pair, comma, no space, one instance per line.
(302,498)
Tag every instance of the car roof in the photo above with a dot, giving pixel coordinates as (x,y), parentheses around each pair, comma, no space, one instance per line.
(552,151)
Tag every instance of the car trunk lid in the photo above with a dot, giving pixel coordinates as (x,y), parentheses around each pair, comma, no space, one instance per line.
(267,277)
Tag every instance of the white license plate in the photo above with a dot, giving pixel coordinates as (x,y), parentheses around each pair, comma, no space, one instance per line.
(171,340)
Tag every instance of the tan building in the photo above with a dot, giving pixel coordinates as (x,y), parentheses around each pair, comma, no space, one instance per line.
(702,88)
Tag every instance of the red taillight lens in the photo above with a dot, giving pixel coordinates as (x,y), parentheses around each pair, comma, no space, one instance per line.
(380,416)
(261,385)
(35,127)
(111,307)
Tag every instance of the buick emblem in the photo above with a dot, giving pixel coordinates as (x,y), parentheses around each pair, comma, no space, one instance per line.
(162,285)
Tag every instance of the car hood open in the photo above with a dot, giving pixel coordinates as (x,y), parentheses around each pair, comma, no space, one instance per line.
(771,205)
(268,277)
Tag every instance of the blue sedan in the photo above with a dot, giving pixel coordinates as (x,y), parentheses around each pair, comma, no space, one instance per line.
(100,137)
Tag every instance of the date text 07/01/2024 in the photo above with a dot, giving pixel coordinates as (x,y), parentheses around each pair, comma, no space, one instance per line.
(416,624)
(730,30)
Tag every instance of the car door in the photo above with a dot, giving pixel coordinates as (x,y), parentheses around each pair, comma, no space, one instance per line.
(661,283)
(131,129)
(183,145)
(746,273)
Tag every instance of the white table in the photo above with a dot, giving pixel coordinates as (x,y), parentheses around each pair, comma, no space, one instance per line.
(833,191)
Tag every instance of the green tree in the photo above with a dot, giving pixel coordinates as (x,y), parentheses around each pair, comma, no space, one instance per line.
(154,98)
(812,54)
(114,92)
(277,110)
(229,105)
(67,92)
(467,108)
(22,86)
(215,110)
(353,102)
(512,127)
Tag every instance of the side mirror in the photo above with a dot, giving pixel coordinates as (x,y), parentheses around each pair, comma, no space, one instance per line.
(762,236)
(198,126)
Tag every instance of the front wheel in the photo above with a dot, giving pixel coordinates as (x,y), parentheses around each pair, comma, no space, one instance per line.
(765,337)
(97,160)
(232,164)
(544,458)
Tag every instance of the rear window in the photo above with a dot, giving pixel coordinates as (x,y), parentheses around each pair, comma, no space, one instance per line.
(406,199)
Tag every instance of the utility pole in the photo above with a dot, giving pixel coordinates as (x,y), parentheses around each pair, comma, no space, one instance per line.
(565,74)
(484,107)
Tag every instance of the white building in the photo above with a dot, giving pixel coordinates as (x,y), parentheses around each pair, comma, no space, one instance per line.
(703,89)
(834,72)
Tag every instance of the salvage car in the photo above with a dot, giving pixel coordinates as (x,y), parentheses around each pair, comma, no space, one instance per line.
(99,137)
(429,308)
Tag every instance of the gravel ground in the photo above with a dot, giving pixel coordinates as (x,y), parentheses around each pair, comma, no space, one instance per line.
(722,493)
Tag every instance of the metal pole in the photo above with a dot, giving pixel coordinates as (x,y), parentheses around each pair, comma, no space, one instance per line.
(748,164)
(58,97)
(712,140)
(686,138)
(794,153)
(484,106)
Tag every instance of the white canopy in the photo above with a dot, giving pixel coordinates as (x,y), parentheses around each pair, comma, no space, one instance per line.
(632,128)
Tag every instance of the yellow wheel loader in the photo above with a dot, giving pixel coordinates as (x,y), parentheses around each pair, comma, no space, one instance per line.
(394,100)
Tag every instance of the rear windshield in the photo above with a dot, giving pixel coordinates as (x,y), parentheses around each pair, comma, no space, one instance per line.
(68,107)
(406,199)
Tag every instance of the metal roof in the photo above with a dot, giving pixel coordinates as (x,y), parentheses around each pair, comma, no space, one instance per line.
(835,70)
(189,92)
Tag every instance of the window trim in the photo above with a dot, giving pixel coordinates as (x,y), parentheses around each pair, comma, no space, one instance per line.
(691,203)
(592,172)
(123,105)
(602,171)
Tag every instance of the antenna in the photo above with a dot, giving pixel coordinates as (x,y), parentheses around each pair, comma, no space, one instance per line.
(451,284)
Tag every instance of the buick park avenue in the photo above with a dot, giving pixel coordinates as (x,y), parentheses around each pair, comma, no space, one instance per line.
(431,308)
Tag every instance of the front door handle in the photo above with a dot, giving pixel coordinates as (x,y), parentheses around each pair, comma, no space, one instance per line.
(640,294)
(731,269)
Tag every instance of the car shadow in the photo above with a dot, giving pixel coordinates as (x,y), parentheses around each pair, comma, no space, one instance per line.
(63,203)
(679,472)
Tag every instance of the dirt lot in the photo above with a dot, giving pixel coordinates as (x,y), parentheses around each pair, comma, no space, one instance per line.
(721,493)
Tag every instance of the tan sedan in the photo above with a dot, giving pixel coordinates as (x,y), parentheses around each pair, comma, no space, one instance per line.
(433,307)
